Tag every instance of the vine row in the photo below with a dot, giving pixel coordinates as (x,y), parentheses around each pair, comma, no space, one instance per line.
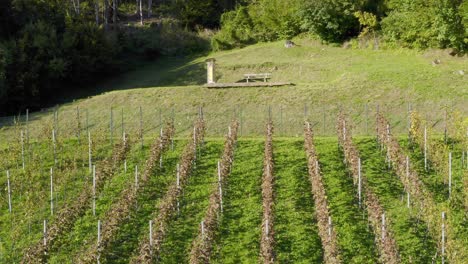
(267,242)
(428,210)
(119,210)
(202,245)
(39,252)
(327,234)
(385,241)
(150,247)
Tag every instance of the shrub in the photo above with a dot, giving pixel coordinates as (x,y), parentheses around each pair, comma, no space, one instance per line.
(423,24)
(332,20)
(165,38)
(3,61)
(236,30)
(88,53)
(260,21)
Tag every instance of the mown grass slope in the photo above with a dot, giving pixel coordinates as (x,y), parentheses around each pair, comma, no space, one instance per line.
(325,78)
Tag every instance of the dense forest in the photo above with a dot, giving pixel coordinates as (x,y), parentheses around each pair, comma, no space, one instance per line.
(51,47)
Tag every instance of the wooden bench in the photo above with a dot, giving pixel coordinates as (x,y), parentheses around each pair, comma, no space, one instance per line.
(257,76)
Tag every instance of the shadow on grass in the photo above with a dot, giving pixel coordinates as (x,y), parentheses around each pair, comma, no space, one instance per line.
(238,238)
(135,227)
(432,179)
(193,203)
(355,239)
(415,245)
(295,223)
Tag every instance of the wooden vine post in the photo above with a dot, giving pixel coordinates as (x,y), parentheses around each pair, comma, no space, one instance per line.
(22,149)
(54,143)
(94,190)
(111,126)
(9,191)
(90,162)
(359,182)
(450,174)
(425,148)
(51,191)
(27,127)
(44,233)
(443,238)
(141,123)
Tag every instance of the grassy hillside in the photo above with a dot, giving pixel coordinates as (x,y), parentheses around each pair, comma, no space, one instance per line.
(325,79)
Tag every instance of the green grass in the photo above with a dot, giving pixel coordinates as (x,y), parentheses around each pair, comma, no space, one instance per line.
(434,181)
(84,231)
(355,239)
(136,227)
(31,192)
(239,235)
(412,237)
(184,228)
(296,231)
(326,78)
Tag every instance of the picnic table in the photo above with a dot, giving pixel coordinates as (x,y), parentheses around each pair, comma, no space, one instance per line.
(257,76)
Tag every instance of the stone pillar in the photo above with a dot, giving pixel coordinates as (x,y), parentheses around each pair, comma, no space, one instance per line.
(210,67)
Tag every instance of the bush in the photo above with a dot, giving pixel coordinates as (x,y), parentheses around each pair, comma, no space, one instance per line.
(264,20)
(88,54)
(422,24)
(3,62)
(237,30)
(331,20)
(165,38)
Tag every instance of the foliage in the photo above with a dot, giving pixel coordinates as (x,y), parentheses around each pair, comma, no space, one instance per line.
(259,21)
(3,62)
(463,11)
(50,48)
(237,30)
(423,24)
(368,21)
(332,20)
(55,47)
(195,13)
(166,38)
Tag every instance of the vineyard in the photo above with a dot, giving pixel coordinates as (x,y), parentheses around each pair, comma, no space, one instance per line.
(177,192)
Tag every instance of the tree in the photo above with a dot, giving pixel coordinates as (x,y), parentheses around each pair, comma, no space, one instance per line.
(150,8)
(425,23)
(369,25)
(332,20)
